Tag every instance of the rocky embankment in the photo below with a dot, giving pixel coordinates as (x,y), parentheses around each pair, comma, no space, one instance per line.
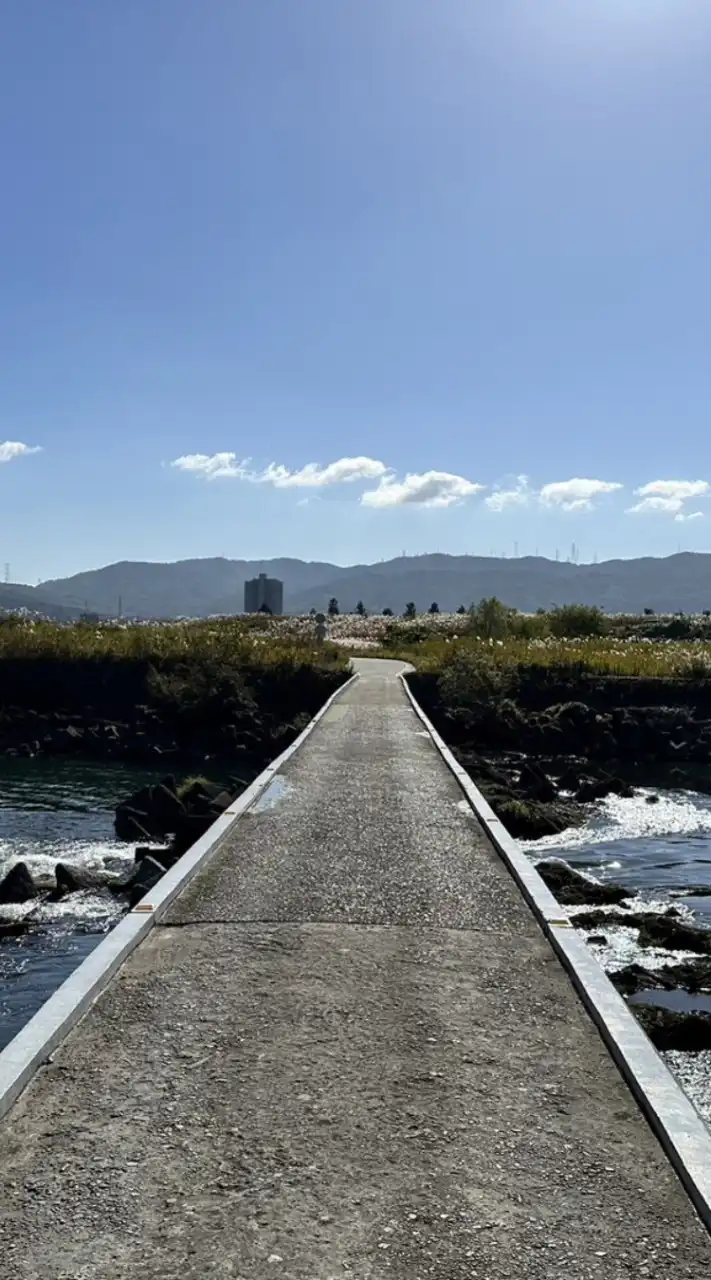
(682,1022)
(549,746)
(176,815)
(179,715)
(143,736)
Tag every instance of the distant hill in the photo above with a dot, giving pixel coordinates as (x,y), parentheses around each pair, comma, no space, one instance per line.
(14,597)
(198,588)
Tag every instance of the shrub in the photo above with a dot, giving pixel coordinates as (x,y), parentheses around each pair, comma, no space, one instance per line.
(573,621)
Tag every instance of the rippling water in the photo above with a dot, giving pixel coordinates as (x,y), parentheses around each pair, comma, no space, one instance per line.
(56,811)
(658,850)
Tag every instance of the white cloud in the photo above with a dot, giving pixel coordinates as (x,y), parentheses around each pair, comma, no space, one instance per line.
(10,449)
(693,515)
(311,476)
(667,497)
(431,489)
(518,495)
(576,494)
(215,466)
(344,471)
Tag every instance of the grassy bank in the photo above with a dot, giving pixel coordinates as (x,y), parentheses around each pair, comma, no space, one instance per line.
(198,689)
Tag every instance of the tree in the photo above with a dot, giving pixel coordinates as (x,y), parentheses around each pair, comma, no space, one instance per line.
(410,610)
(361,610)
(573,621)
(461,609)
(312,611)
(434,607)
(490,619)
(333,608)
(264,608)
(387,613)
(649,613)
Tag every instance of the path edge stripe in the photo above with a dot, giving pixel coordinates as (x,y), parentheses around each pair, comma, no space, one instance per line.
(34,1044)
(680,1129)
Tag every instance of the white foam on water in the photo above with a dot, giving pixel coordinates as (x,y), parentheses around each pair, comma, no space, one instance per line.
(693,1071)
(676,813)
(622,948)
(41,863)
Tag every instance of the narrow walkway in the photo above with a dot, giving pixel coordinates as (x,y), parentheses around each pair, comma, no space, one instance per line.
(349,1053)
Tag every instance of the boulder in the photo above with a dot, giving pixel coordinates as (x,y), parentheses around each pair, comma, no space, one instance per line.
(18,885)
(149,812)
(74,879)
(531,819)
(534,782)
(668,1029)
(146,876)
(590,789)
(634,978)
(189,829)
(13,928)
(673,935)
(130,823)
(571,888)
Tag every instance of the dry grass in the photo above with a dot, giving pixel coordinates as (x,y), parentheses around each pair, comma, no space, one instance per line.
(231,641)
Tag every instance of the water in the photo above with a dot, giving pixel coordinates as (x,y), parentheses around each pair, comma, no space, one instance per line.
(57,811)
(658,850)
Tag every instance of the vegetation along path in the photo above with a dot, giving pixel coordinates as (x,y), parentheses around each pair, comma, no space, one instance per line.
(348,1051)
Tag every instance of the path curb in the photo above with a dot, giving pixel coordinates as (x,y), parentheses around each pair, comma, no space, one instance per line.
(684,1136)
(45,1031)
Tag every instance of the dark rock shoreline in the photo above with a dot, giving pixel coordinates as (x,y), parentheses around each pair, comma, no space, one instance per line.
(546,747)
(178,815)
(683,1026)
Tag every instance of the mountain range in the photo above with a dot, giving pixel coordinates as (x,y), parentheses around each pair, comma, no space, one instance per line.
(201,588)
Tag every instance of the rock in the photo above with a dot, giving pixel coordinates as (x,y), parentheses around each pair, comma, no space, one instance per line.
(598,938)
(13,928)
(190,829)
(150,812)
(74,879)
(634,978)
(651,800)
(18,885)
(690,975)
(593,919)
(129,823)
(571,888)
(145,877)
(220,802)
(664,931)
(674,1029)
(534,782)
(531,819)
(591,789)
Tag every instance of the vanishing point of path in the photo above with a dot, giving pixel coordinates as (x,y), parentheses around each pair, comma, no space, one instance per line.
(348,1052)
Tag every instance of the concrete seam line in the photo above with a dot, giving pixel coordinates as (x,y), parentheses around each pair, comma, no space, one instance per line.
(46,1030)
(681,1131)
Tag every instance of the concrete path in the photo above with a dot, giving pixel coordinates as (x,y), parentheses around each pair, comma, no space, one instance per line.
(349,1053)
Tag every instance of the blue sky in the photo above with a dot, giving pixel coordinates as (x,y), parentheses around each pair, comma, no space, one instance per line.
(298,276)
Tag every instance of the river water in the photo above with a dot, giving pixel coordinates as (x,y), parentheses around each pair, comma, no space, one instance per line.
(53,811)
(57,811)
